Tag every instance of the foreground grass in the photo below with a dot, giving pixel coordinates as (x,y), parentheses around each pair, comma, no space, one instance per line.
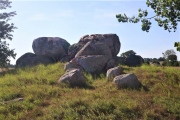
(44,99)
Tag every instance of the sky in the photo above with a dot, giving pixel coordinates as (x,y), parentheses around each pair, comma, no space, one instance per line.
(71,20)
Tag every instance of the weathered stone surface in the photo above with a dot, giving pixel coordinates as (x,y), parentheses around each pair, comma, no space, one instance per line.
(110,64)
(127,81)
(65,59)
(69,65)
(74,49)
(113,72)
(54,47)
(95,48)
(31,59)
(134,60)
(111,40)
(74,78)
(91,63)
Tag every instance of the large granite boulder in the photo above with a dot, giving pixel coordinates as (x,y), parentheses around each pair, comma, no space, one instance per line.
(127,81)
(54,47)
(74,49)
(110,64)
(134,60)
(113,72)
(74,77)
(95,48)
(111,40)
(94,64)
(64,59)
(31,59)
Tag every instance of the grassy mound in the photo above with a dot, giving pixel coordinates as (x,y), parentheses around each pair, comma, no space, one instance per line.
(44,99)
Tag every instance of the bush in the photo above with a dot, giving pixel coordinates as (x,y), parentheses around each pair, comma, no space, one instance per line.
(170,63)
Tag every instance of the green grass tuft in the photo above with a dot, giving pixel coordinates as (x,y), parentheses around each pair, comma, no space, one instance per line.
(44,99)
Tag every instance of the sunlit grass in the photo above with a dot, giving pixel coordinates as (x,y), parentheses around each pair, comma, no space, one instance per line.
(44,99)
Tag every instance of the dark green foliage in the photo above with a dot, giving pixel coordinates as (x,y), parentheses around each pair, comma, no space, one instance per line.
(168,53)
(167,14)
(131,59)
(170,63)
(161,59)
(5,33)
(177,45)
(128,53)
(172,57)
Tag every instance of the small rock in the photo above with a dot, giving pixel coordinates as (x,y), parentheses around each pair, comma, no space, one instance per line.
(74,78)
(113,72)
(127,81)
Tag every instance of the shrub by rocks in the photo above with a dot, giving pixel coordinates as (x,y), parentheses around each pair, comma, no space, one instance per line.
(133,60)
(119,60)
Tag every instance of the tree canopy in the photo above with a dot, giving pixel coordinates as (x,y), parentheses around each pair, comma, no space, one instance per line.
(172,57)
(168,53)
(167,14)
(128,53)
(6,30)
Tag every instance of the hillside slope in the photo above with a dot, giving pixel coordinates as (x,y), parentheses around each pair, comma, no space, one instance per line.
(41,98)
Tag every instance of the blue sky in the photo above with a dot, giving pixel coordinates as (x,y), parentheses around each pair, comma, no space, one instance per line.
(71,20)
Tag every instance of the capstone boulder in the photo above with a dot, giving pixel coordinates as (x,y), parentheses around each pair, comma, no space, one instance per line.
(53,47)
(111,40)
(95,48)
